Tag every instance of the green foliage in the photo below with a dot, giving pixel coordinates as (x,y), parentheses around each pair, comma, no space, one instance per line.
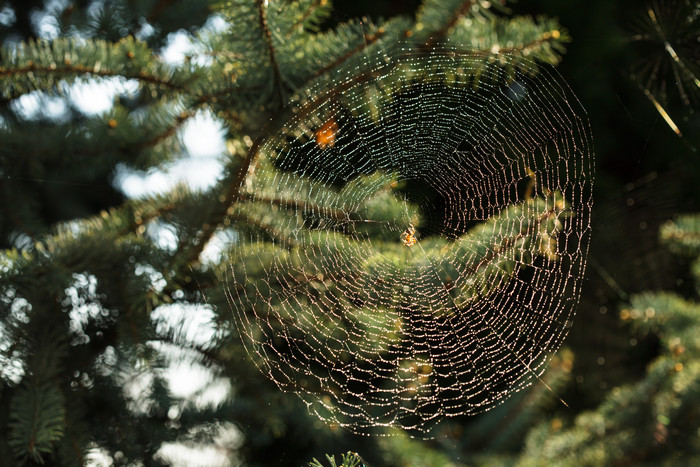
(479,25)
(436,16)
(44,64)
(652,420)
(37,413)
(401,450)
(148,19)
(683,235)
(349,459)
(37,420)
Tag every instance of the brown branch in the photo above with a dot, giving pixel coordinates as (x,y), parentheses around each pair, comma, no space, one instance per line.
(267,37)
(184,116)
(213,98)
(187,114)
(508,242)
(80,69)
(271,231)
(140,220)
(368,40)
(546,37)
(306,14)
(462,10)
(356,79)
(458,13)
(337,214)
(549,36)
(230,197)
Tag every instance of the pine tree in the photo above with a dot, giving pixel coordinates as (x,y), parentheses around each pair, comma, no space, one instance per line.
(82,364)
(655,419)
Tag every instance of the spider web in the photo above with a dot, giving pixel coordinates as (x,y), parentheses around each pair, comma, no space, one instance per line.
(666,69)
(411,246)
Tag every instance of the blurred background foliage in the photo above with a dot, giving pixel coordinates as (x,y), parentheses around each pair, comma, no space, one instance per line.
(98,311)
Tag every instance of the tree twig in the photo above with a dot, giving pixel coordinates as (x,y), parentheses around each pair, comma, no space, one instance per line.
(267,37)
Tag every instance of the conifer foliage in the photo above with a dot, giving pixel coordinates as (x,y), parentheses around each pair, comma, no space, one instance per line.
(84,272)
(655,419)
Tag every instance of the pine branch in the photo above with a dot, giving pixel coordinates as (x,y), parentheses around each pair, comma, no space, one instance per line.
(231,195)
(369,40)
(456,16)
(546,37)
(40,65)
(312,11)
(510,241)
(533,403)
(268,228)
(170,131)
(129,218)
(302,206)
(36,419)
(77,70)
(267,37)
(349,459)
(191,112)
(37,414)
(682,235)
(541,39)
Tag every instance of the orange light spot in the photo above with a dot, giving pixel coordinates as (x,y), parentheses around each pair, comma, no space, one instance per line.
(112,123)
(677,350)
(325,136)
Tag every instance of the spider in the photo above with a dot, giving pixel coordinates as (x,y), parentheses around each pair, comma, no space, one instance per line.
(408,237)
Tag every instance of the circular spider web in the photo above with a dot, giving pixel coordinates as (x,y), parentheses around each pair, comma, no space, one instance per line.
(411,245)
